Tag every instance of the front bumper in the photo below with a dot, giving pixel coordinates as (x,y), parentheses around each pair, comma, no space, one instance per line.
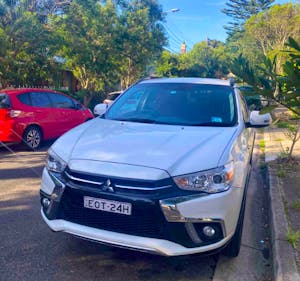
(162,223)
(144,244)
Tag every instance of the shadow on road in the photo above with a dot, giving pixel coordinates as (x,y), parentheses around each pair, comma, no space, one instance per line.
(22,173)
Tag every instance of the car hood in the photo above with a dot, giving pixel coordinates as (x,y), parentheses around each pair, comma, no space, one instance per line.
(174,149)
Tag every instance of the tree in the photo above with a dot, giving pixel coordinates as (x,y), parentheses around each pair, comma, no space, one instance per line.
(265,35)
(24,53)
(240,11)
(283,88)
(107,42)
(168,64)
(206,59)
(86,39)
(271,29)
(211,57)
(141,38)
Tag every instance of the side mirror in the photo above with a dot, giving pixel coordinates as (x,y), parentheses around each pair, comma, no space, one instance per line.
(259,120)
(100,109)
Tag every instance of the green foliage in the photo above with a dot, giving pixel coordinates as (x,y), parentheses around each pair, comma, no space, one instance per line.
(291,80)
(296,204)
(266,82)
(264,36)
(206,59)
(262,145)
(270,30)
(103,43)
(25,58)
(281,173)
(240,11)
(267,109)
(292,237)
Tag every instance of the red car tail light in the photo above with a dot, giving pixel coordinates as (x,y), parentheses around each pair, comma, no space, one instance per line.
(14,113)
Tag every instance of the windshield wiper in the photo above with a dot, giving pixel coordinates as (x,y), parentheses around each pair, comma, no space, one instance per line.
(139,120)
(212,124)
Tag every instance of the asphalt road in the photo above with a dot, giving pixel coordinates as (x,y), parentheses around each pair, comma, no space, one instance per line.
(30,251)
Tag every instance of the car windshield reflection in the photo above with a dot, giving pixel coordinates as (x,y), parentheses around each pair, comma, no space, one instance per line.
(176,104)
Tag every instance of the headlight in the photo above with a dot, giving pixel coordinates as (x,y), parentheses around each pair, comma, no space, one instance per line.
(210,181)
(55,163)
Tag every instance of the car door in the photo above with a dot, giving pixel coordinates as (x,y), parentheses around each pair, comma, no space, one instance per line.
(43,114)
(67,113)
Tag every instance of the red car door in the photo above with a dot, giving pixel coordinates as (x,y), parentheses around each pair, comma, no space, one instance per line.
(69,115)
(43,114)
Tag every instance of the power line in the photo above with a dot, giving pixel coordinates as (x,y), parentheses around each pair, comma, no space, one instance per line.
(178,31)
(175,36)
(172,34)
(170,50)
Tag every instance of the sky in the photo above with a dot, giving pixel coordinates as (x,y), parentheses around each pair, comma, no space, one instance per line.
(196,21)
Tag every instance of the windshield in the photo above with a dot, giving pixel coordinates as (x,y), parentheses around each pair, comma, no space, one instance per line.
(4,101)
(176,104)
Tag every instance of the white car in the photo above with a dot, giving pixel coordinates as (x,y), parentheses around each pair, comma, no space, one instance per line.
(164,169)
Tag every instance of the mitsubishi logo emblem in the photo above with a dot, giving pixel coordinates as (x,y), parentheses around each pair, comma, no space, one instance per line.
(107,186)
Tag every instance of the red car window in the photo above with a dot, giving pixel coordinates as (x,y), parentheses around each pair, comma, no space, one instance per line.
(40,99)
(24,98)
(61,101)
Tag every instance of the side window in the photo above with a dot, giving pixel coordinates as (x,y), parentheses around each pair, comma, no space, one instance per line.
(4,101)
(40,99)
(60,101)
(24,98)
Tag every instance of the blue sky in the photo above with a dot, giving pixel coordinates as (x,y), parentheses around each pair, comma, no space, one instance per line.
(195,21)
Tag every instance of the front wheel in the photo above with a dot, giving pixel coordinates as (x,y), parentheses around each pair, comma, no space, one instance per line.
(32,137)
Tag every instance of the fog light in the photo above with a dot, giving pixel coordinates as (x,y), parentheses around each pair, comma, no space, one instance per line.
(209,231)
(45,202)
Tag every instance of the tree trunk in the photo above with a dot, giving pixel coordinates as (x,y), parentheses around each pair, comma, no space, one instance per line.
(294,140)
(88,98)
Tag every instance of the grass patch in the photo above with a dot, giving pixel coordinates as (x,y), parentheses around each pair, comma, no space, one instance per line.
(282,125)
(296,204)
(262,145)
(281,173)
(293,237)
(279,140)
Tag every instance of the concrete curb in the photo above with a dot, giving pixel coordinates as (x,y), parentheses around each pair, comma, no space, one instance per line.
(284,261)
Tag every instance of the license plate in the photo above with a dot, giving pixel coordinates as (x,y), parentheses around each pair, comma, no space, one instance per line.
(107,205)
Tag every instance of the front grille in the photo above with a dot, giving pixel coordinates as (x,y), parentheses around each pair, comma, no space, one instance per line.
(146,219)
(120,184)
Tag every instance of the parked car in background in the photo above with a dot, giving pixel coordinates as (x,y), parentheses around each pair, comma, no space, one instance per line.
(35,115)
(111,97)
(164,169)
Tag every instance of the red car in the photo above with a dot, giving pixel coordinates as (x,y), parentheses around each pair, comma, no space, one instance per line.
(34,115)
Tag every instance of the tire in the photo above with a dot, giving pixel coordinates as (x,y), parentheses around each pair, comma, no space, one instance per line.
(32,137)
